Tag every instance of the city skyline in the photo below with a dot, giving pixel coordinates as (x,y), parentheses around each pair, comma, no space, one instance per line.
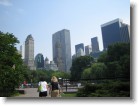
(42,19)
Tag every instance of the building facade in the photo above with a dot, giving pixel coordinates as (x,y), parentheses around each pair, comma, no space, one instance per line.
(95,44)
(50,66)
(62,50)
(39,61)
(113,32)
(125,33)
(88,50)
(29,52)
(78,46)
(80,52)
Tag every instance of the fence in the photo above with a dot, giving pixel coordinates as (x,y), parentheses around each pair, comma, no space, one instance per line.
(73,85)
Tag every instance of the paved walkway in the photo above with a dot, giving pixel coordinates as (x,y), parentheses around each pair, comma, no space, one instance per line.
(30,92)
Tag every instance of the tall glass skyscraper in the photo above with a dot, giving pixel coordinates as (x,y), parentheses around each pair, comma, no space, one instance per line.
(62,49)
(95,45)
(114,31)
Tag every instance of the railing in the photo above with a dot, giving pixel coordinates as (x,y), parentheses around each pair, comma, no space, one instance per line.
(73,85)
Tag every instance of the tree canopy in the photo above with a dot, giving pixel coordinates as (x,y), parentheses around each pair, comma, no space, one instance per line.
(79,64)
(117,60)
(11,68)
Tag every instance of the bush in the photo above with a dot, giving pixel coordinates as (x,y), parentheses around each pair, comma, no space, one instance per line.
(87,90)
(107,89)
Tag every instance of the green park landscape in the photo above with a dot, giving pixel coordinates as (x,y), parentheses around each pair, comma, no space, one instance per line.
(107,76)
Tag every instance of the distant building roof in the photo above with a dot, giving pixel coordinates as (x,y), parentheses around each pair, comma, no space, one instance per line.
(46,59)
(111,22)
(29,37)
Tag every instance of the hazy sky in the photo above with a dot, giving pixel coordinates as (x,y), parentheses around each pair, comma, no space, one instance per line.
(42,18)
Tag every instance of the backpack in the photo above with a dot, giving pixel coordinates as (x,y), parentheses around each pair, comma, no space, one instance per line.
(40,87)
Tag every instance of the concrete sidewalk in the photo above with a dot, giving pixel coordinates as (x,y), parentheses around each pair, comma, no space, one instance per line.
(30,92)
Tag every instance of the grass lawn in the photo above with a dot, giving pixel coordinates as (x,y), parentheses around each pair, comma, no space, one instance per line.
(68,94)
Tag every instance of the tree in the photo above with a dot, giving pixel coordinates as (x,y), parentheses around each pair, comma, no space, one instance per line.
(125,66)
(103,57)
(98,70)
(113,69)
(118,58)
(78,65)
(86,74)
(11,68)
(117,50)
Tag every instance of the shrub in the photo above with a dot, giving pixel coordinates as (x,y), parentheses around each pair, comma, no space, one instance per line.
(107,89)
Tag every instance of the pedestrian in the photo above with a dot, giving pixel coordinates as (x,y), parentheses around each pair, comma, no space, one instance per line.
(55,87)
(42,87)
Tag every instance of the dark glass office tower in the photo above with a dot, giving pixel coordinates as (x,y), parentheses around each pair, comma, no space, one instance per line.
(95,46)
(39,61)
(114,31)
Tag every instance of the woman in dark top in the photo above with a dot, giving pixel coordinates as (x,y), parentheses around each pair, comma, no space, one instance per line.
(54,87)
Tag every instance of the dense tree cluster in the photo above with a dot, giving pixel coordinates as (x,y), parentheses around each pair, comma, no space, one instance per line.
(33,76)
(11,68)
(78,66)
(117,60)
(113,63)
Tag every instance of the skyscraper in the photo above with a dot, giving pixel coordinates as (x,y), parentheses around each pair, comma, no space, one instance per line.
(78,46)
(80,52)
(29,52)
(125,33)
(22,51)
(114,31)
(62,49)
(88,50)
(95,45)
(39,61)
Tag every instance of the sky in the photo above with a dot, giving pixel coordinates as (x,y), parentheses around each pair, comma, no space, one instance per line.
(42,18)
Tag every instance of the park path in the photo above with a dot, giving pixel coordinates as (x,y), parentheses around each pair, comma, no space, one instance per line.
(30,92)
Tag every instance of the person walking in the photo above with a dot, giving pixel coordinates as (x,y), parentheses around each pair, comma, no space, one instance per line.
(55,87)
(42,87)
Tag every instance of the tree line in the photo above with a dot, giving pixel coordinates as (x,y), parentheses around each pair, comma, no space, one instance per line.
(113,63)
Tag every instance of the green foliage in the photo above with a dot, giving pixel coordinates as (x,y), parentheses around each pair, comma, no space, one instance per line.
(107,89)
(113,63)
(68,94)
(118,50)
(11,68)
(86,74)
(113,69)
(98,70)
(117,60)
(35,75)
(125,66)
(79,64)
(87,90)
(103,57)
